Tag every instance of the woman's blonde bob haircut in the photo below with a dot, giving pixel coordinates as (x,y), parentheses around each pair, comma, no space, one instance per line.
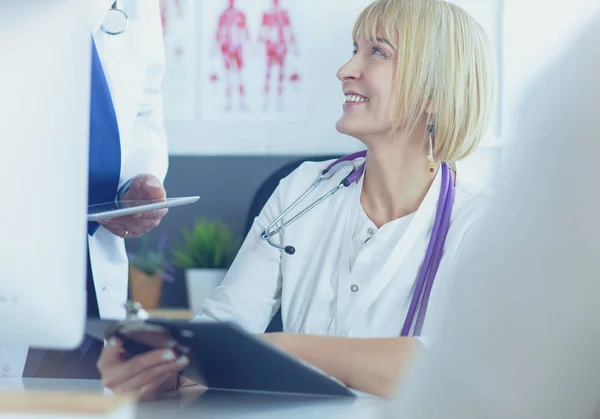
(444,60)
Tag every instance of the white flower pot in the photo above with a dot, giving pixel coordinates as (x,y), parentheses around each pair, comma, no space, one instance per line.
(200,283)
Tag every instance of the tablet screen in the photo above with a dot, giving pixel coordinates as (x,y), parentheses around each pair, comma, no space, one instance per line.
(113,209)
(115,205)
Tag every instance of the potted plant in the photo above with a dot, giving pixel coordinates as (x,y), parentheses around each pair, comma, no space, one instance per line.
(148,268)
(206,253)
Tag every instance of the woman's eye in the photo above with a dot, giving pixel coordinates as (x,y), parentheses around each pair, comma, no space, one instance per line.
(377,51)
(354,51)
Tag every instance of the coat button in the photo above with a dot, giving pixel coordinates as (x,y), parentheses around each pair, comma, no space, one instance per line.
(7,368)
(354,288)
(370,231)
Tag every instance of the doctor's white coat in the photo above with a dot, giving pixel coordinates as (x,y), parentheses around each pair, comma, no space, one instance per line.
(134,64)
(134,67)
(347,278)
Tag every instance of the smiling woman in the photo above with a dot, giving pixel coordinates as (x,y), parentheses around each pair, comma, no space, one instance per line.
(357,296)
(412,51)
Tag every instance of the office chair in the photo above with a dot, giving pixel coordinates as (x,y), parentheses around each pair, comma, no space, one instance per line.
(261,197)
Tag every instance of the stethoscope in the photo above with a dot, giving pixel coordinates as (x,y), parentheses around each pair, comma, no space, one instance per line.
(327,173)
(418,306)
(115,22)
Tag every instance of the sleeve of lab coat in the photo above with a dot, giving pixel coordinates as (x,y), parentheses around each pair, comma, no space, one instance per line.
(521,338)
(149,151)
(250,292)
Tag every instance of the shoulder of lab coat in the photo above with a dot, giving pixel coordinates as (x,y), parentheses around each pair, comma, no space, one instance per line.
(250,292)
(148,151)
(522,338)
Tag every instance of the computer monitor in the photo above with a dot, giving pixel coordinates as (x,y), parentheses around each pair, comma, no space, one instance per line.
(44,128)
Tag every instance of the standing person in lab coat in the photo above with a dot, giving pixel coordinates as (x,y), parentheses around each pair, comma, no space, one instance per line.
(134,65)
(128,159)
(415,101)
(522,339)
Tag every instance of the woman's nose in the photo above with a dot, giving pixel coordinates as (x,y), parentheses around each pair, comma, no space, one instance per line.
(349,71)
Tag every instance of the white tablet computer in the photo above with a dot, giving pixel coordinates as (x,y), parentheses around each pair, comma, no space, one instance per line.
(115,209)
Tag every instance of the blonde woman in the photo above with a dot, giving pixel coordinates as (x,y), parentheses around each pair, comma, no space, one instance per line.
(348,274)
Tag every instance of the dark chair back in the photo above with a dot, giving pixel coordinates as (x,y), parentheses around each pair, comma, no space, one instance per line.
(261,197)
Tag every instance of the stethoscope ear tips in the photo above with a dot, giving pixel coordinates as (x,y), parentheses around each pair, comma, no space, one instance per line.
(290,250)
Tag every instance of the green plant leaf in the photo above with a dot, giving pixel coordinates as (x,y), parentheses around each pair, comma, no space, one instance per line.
(147,260)
(208,244)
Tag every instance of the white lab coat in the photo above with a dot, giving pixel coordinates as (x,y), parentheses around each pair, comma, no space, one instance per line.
(134,67)
(134,64)
(316,294)
(523,339)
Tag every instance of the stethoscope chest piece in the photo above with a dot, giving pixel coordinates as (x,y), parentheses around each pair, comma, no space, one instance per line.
(115,21)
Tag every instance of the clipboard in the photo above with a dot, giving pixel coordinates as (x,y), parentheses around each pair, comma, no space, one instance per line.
(223,356)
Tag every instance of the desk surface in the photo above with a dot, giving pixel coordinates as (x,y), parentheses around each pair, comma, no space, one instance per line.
(196,403)
(171,313)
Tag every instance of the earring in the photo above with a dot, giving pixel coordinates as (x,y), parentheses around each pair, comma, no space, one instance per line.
(431,129)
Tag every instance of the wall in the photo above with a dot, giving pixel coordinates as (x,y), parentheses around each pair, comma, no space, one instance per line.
(323,29)
(307,125)
(535,32)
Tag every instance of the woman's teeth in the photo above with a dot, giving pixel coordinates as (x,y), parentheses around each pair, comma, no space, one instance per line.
(356,98)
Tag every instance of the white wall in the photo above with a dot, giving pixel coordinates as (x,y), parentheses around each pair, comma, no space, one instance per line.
(482,165)
(324,29)
(532,33)
(535,31)
(525,34)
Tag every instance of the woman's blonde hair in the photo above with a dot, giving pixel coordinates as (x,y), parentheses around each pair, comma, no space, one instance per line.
(444,59)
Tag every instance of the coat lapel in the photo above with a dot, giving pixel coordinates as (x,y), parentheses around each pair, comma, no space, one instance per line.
(420,224)
(316,310)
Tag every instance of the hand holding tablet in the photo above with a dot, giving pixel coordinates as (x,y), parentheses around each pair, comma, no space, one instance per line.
(139,210)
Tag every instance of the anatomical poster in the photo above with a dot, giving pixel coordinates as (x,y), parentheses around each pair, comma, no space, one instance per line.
(252,61)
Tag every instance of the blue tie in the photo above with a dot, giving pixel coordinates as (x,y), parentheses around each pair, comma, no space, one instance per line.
(103,182)
(105,142)
(104,158)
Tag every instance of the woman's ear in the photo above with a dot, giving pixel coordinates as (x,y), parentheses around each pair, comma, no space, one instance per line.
(431,108)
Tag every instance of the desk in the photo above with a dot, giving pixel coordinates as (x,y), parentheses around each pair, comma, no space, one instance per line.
(170,313)
(195,403)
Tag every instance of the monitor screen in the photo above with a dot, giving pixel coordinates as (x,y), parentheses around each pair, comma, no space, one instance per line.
(44,130)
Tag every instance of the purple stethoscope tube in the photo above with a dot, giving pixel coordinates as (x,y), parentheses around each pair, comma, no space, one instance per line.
(415,316)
